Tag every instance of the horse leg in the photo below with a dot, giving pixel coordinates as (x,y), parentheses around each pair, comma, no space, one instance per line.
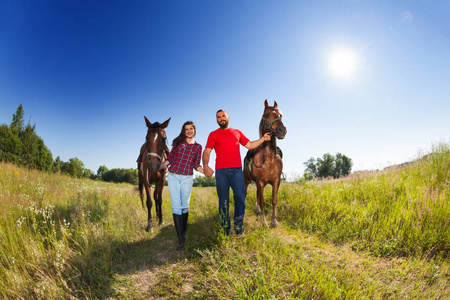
(275,186)
(157,195)
(141,193)
(260,203)
(247,182)
(257,207)
(149,227)
(141,182)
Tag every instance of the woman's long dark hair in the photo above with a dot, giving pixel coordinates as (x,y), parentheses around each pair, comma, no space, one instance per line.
(181,138)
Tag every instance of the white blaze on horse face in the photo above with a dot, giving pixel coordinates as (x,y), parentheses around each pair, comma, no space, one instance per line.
(156,137)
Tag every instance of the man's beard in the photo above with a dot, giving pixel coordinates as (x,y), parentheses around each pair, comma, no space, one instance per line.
(223,125)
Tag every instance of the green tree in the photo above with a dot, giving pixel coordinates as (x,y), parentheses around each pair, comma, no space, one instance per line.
(23,146)
(343,165)
(328,166)
(311,169)
(45,158)
(113,175)
(88,173)
(325,166)
(131,176)
(204,181)
(57,165)
(11,145)
(17,122)
(346,165)
(30,145)
(65,168)
(101,170)
(75,168)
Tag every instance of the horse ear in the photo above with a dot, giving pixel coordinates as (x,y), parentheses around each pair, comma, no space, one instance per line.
(149,124)
(275,105)
(166,123)
(266,103)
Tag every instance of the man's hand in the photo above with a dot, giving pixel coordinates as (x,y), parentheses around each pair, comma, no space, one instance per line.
(208,171)
(254,144)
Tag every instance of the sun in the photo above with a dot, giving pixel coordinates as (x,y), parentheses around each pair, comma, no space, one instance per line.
(343,62)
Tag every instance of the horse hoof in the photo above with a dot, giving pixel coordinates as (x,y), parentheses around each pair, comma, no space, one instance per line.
(161,223)
(274,224)
(149,229)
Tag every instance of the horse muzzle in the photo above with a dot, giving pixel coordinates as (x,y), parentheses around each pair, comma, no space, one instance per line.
(280,132)
(154,164)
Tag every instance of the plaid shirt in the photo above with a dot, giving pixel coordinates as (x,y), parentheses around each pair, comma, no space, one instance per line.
(185,158)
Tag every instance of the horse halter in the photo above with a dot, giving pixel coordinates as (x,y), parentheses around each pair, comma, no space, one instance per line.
(269,124)
(153,154)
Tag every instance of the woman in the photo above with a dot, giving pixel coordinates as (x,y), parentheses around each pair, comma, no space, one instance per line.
(183,159)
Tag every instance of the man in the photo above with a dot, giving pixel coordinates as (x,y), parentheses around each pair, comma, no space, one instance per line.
(225,141)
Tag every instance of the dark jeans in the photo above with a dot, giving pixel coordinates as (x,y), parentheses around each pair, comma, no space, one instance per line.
(234,178)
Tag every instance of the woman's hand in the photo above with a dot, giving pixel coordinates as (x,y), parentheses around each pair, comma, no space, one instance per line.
(200,169)
(163,165)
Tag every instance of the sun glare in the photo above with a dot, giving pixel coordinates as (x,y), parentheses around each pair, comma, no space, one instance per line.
(343,63)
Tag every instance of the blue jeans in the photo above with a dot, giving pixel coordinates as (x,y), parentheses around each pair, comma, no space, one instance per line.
(234,178)
(180,187)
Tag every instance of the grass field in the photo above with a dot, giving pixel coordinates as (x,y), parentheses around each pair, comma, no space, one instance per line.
(371,235)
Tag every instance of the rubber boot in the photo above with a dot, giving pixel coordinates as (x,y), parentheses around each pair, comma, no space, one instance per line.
(178,223)
(185,217)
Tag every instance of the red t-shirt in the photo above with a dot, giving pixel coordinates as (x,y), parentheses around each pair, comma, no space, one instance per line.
(226,144)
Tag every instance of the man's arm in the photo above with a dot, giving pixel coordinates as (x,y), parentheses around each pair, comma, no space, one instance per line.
(254,144)
(206,169)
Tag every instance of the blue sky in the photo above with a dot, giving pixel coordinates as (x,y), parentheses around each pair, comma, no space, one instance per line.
(87,72)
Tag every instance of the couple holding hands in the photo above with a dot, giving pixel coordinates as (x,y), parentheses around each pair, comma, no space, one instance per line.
(185,157)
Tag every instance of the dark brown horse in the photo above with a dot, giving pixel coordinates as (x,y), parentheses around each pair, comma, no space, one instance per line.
(149,168)
(264,164)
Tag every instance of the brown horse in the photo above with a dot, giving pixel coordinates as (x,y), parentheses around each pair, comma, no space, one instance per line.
(149,168)
(264,164)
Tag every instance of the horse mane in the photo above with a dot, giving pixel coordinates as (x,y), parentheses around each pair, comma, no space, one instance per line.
(261,128)
(155,125)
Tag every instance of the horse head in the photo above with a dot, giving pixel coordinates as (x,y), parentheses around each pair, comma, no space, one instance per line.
(271,121)
(156,141)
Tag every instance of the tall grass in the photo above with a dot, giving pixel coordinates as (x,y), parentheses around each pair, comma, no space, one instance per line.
(58,233)
(402,212)
(280,264)
(373,235)
(69,238)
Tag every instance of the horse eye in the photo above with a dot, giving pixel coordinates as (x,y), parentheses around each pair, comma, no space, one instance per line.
(266,115)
